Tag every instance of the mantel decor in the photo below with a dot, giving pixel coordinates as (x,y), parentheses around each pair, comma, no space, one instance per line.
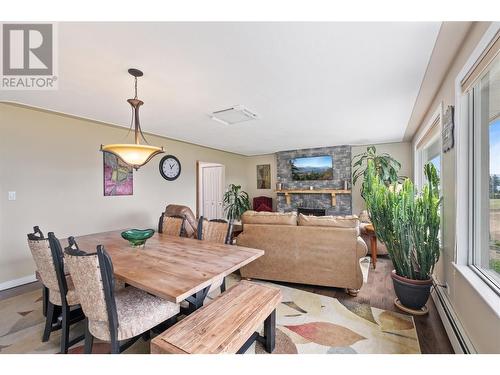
(332,192)
(134,154)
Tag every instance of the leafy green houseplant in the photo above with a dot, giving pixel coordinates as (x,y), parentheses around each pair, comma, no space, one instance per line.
(386,167)
(408,223)
(236,202)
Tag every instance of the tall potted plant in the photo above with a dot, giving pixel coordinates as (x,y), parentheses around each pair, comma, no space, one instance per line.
(236,202)
(407,222)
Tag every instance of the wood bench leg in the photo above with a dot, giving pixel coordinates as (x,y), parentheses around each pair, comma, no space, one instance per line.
(270,332)
(269,338)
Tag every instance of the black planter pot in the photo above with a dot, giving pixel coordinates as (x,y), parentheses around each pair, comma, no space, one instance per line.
(411,293)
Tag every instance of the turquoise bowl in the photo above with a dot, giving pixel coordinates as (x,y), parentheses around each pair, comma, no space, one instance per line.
(137,237)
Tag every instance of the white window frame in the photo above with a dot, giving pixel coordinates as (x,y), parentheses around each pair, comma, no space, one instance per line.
(464,181)
(418,163)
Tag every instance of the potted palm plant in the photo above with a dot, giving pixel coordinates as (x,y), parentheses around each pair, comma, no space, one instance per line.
(236,202)
(407,222)
(386,167)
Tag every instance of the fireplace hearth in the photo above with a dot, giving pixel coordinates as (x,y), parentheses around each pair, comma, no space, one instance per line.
(311,211)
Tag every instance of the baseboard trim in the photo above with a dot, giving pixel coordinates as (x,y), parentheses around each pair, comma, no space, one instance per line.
(456,334)
(17,282)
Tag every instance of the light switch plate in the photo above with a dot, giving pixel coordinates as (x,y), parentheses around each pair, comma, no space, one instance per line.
(12,195)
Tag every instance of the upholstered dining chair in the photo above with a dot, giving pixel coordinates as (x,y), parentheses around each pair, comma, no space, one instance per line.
(62,297)
(118,316)
(172,225)
(217,231)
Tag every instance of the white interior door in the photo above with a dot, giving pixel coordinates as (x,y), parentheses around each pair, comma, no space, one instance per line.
(212,192)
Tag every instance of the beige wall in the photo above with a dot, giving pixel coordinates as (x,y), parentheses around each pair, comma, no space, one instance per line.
(251,170)
(54,164)
(479,320)
(401,151)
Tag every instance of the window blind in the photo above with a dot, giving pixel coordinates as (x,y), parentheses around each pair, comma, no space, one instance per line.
(484,60)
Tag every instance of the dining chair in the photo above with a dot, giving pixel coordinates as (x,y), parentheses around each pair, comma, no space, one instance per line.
(37,235)
(61,296)
(172,225)
(217,231)
(118,316)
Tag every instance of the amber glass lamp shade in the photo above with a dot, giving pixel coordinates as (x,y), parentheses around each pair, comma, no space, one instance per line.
(135,155)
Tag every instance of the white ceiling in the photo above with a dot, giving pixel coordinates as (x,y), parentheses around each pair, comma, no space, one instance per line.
(312,84)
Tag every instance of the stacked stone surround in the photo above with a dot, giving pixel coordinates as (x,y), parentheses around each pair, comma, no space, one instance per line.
(341,156)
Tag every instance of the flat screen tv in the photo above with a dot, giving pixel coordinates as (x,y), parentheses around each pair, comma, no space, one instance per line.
(312,168)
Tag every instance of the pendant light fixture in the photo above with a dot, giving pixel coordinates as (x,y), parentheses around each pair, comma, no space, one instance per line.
(135,154)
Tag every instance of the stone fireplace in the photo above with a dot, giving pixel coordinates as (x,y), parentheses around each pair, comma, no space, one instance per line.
(339,204)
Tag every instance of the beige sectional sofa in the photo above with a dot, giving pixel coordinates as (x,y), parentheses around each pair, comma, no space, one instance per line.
(304,249)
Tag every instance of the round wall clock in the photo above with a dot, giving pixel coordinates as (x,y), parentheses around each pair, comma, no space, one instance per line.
(170,167)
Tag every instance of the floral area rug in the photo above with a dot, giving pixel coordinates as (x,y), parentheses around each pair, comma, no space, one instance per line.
(306,323)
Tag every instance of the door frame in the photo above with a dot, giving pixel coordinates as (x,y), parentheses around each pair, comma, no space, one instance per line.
(199,181)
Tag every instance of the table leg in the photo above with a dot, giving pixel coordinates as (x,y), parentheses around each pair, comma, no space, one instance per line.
(373,250)
(196,300)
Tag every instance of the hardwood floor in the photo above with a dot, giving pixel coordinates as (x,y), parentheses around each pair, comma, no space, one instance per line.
(379,292)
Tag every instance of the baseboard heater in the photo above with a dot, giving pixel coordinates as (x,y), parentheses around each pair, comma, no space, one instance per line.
(456,333)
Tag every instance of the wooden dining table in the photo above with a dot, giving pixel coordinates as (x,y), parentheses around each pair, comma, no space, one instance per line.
(174,268)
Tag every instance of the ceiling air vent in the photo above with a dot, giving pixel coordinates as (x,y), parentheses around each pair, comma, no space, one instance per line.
(233,115)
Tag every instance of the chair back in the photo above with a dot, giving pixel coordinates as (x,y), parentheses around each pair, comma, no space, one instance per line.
(46,258)
(191,224)
(92,275)
(58,261)
(262,201)
(172,225)
(217,230)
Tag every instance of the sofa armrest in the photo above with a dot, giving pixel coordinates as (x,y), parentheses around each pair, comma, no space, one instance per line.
(361,247)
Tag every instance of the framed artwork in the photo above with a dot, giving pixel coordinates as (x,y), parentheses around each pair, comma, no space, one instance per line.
(264,176)
(118,177)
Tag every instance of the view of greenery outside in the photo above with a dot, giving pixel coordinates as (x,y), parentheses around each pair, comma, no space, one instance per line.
(494,225)
(494,192)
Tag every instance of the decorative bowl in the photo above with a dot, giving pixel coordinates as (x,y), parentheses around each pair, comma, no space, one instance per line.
(137,237)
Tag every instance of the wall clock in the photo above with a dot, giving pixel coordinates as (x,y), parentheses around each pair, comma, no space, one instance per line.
(170,167)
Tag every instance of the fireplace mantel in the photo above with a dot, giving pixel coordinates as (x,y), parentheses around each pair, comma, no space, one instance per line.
(332,192)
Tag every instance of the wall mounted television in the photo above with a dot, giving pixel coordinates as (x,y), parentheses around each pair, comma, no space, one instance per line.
(312,168)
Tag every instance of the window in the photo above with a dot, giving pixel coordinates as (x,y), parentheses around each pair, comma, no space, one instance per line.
(483,98)
(428,149)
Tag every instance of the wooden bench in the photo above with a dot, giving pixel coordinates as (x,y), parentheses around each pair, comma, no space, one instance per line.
(227,325)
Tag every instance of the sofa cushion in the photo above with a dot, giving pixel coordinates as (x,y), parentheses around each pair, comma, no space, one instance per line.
(272,218)
(350,221)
